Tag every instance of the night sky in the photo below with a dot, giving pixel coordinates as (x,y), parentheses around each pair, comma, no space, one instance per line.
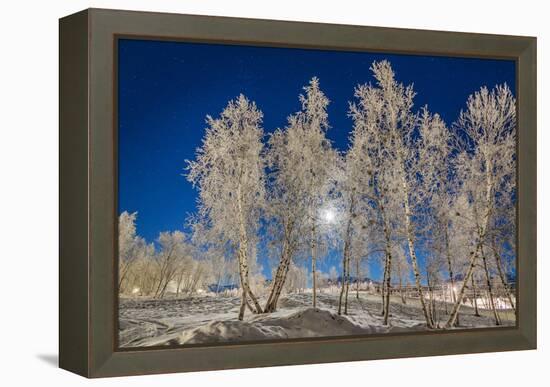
(166,89)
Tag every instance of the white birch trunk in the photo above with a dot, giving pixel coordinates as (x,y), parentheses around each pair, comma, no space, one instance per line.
(489,287)
(313,266)
(501,275)
(481,238)
(243,261)
(412,252)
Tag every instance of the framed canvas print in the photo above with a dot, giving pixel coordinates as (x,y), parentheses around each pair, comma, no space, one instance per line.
(244,193)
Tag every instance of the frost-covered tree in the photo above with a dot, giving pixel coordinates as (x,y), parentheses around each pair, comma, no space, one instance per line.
(361,254)
(333,275)
(174,252)
(143,276)
(297,279)
(302,160)
(147,271)
(126,244)
(353,221)
(488,123)
(131,248)
(434,281)
(398,120)
(216,251)
(287,205)
(438,181)
(502,247)
(401,271)
(190,274)
(223,270)
(382,121)
(229,172)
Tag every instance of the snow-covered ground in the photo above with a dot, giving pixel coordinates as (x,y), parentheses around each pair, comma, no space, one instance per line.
(211,319)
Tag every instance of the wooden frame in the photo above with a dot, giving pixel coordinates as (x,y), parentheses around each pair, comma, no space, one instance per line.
(88,192)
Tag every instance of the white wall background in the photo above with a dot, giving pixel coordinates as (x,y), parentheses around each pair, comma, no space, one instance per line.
(29,189)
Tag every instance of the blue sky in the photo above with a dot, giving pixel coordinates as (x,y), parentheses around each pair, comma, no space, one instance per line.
(167,88)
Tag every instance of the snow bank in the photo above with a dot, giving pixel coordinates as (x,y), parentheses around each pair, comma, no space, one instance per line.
(207,319)
(305,322)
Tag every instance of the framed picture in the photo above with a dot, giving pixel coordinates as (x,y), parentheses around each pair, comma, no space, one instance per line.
(245,193)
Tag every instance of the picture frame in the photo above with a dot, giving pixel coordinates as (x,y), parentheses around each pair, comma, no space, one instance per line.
(88,192)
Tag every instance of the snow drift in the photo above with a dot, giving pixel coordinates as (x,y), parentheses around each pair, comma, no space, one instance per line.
(302,323)
(209,319)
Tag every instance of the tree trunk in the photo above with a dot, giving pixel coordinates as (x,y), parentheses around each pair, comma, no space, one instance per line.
(401,290)
(282,270)
(431,304)
(387,275)
(276,290)
(456,307)
(243,262)
(243,304)
(178,288)
(387,267)
(357,276)
(346,259)
(451,274)
(387,285)
(383,287)
(400,276)
(481,236)
(343,276)
(163,290)
(444,293)
(501,274)
(279,280)
(313,266)
(122,274)
(249,307)
(490,288)
(347,283)
(412,251)
(277,294)
(476,310)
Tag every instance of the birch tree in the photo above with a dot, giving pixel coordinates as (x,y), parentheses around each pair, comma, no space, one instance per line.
(333,275)
(223,270)
(229,173)
(488,123)
(131,247)
(367,154)
(502,230)
(360,253)
(401,271)
(216,250)
(173,251)
(287,207)
(302,160)
(497,246)
(354,219)
(385,110)
(400,121)
(297,279)
(435,267)
(144,274)
(436,145)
